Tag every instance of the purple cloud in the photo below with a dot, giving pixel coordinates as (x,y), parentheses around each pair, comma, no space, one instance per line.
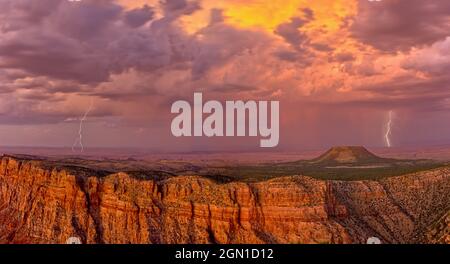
(401,24)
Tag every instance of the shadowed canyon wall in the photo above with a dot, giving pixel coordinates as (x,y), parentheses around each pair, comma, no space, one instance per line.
(44,204)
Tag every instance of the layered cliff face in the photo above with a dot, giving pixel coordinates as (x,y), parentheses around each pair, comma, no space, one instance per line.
(42,204)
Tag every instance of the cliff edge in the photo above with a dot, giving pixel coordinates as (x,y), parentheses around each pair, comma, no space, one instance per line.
(44,204)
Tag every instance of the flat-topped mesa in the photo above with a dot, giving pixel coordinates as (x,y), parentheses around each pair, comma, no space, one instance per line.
(348,154)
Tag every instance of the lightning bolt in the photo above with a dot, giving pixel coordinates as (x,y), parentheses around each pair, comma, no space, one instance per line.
(79,140)
(389,130)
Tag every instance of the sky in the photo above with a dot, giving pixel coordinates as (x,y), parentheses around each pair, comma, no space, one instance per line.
(337,67)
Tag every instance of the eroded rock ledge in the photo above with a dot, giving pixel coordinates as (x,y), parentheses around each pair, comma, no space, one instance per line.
(39,204)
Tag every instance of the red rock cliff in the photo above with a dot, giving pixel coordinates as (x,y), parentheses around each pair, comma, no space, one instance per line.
(39,204)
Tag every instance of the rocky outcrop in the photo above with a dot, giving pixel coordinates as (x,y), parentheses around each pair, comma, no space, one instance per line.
(49,204)
(438,232)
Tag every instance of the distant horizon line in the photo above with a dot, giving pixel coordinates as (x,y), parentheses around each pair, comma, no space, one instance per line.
(246,151)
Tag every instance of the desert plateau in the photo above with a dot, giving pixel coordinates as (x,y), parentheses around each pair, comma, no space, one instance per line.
(345,195)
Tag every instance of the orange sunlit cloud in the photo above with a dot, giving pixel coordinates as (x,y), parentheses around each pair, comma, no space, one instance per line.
(316,57)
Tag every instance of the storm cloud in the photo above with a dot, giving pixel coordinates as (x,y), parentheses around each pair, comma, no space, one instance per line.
(402,24)
(132,59)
